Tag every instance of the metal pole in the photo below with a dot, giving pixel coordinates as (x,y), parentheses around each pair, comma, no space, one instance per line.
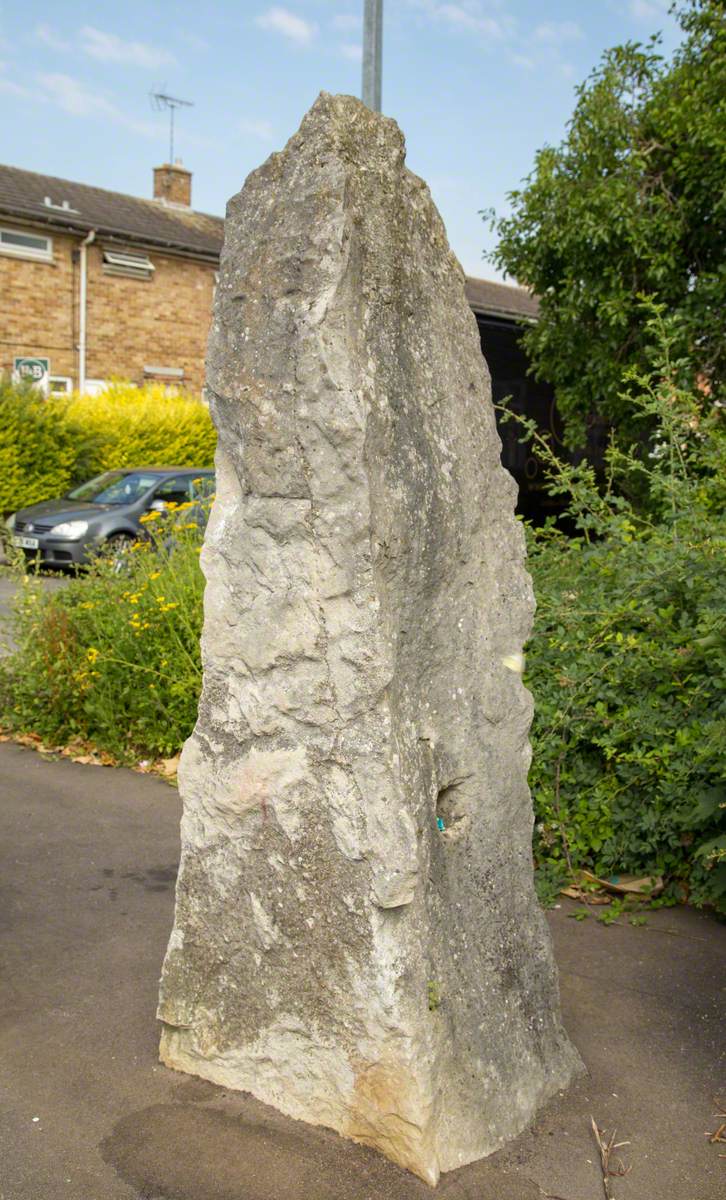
(372,53)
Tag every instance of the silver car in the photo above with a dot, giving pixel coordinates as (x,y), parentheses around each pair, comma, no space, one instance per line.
(103,515)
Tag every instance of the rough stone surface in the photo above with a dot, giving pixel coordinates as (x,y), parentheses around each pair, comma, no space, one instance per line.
(335,952)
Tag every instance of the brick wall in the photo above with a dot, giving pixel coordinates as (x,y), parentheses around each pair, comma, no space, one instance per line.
(130,323)
(39,308)
(162,321)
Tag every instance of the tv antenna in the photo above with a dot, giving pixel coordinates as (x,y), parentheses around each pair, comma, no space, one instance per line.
(161,101)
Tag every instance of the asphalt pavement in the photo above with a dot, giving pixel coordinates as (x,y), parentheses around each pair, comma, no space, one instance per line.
(88,859)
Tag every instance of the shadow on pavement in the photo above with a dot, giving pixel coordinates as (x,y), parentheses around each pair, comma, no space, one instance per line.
(86,896)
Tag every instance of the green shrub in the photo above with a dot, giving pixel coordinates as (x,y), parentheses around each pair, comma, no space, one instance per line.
(49,446)
(627,661)
(111,658)
(147,426)
(43,452)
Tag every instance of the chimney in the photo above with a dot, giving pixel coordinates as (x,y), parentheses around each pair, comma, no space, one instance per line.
(173,184)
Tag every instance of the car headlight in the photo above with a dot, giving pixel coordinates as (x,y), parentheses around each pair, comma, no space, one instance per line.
(70,529)
(10,523)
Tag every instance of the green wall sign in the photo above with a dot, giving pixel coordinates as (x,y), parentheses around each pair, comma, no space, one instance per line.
(35,370)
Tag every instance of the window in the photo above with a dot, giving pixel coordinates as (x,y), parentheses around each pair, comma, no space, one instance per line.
(122,262)
(60,385)
(94,387)
(26,245)
(115,487)
(176,490)
(204,486)
(164,372)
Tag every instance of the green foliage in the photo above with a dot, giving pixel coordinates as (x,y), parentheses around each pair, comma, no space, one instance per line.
(633,202)
(433,992)
(49,446)
(146,426)
(113,657)
(42,451)
(628,658)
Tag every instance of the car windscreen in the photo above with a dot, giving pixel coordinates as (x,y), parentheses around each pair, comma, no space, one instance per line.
(115,487)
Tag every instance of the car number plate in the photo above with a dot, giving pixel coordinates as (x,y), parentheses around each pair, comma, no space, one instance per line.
(25,543)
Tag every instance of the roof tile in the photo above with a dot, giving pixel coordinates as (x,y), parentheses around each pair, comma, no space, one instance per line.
(22,194)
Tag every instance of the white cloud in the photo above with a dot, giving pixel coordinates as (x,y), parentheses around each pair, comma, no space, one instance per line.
(469,16)
(107,47)
(553,33)
(280,20)
(257,128)
(44,33)
(13,89)
(72,96)
(521,60)
(347,22)
(352,51)
(649,10)
(193,41)
(464,18)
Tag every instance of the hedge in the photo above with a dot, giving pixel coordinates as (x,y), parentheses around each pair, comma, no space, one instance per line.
(47,446)
(627,661)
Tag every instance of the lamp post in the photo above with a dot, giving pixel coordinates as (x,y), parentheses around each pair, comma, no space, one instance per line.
(372,53)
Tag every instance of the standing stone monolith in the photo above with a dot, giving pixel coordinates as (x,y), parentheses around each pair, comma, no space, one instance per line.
(357,940)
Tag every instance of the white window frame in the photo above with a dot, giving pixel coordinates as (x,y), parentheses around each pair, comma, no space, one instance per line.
(94,387)
(31,253)
(162,374)
(126,262)
(67,388)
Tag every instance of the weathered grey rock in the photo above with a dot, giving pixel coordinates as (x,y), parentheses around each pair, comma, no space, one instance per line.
(335,953)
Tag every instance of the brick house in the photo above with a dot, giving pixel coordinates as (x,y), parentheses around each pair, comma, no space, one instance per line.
(106,285)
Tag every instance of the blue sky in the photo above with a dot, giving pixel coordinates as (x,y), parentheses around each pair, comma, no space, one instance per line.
(477,87)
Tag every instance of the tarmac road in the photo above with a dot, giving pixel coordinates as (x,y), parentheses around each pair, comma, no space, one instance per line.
(87,865)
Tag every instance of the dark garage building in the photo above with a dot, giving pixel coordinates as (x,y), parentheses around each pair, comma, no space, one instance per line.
(501,312)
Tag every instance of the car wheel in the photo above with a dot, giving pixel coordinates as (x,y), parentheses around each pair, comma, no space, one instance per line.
(116,549)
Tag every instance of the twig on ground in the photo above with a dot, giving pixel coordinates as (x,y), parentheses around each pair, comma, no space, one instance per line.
(719,1135)
(606,1148)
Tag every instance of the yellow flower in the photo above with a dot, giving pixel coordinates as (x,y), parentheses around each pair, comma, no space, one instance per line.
(160,599)
(155,574)
(92,654)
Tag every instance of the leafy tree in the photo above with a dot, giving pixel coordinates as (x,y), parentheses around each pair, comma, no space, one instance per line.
(631,204)
(627,662)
